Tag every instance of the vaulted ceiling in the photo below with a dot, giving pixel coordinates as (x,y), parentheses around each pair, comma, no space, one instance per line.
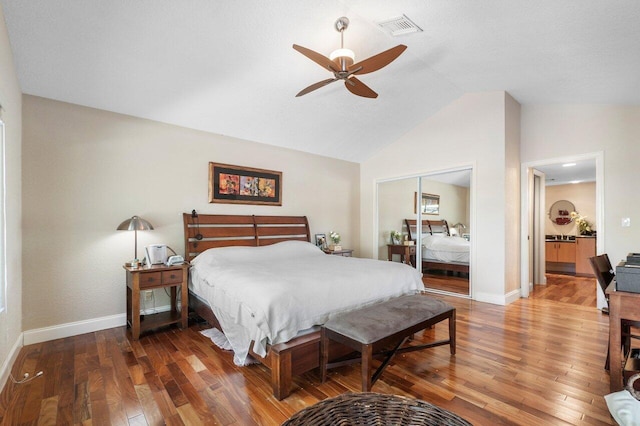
(228,67)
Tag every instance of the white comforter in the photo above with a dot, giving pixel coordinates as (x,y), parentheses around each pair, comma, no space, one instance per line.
(445,248)
(270,294)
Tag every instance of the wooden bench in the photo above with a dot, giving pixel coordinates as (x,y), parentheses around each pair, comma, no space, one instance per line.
(374,329)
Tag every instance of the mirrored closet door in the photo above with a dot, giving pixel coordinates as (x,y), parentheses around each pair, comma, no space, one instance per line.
(425,221)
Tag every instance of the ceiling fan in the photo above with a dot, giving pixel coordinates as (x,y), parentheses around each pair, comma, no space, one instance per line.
(340,63)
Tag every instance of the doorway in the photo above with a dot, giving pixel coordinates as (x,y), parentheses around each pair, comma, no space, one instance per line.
(542,231)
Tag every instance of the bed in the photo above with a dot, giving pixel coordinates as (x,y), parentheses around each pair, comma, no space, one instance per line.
(261,281)
(440,250)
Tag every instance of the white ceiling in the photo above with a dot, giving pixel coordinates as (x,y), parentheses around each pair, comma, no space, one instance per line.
(569,172)
(228,67)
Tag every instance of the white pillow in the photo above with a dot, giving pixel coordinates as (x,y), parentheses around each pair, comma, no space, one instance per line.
(624,408)
(235,254)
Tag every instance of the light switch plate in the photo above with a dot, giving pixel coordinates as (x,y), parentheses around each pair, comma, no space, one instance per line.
(626,222)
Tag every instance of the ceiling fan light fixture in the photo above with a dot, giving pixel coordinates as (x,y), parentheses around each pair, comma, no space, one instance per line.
(342,53)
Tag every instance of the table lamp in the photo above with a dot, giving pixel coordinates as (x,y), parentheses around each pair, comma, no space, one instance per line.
(459,227)
(135,224)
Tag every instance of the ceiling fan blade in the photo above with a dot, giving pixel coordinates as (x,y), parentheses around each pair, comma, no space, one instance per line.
(319,59)
(357,87)
(378,61)
(316,86)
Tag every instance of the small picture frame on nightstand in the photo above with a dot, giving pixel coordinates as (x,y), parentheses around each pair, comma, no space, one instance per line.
(321,241)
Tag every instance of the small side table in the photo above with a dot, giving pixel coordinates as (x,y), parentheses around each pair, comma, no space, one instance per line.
(405,252)
(149,278)
(343,252)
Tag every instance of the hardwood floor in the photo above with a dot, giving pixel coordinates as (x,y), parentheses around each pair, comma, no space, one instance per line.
(537,361)
(569,289)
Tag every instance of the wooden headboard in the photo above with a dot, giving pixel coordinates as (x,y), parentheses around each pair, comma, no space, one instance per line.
(428,227)
(205,231)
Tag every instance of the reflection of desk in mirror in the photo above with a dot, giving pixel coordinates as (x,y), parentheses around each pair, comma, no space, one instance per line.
(405,252)
(622,305)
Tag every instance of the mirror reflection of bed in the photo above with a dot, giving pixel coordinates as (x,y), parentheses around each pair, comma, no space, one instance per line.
(397,200)
(445,255)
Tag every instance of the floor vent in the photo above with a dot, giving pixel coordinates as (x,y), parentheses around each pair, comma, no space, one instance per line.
(399,26)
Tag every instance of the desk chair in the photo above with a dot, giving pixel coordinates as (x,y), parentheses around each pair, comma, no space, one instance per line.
(604,274)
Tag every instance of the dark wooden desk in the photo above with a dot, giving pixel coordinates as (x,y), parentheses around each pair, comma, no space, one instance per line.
(405,252)
(622,305)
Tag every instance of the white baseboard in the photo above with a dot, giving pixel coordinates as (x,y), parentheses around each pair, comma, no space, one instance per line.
(155,310)
(73,328)
(498,299)
(512,296)
(492,298)
(81,327)
(11,359)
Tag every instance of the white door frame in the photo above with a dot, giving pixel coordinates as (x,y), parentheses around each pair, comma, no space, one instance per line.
(526,174)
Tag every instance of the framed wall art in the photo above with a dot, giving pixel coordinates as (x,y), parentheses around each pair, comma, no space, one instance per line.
(244,185)
(429,204)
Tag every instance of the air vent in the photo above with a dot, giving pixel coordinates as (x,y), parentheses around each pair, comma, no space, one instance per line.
(399,26)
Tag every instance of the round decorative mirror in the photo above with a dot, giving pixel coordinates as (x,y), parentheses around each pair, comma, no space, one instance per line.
(560,212)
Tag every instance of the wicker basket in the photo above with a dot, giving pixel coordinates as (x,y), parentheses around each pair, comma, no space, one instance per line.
(373,409)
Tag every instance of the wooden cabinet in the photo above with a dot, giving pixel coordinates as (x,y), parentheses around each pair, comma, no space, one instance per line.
(560,251)
(570,257)
(149,278)
(585,248)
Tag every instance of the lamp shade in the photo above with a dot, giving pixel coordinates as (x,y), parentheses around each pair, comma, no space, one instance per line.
(135,223)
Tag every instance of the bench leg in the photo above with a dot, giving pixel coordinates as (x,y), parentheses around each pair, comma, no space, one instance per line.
(324,354)
(367,358)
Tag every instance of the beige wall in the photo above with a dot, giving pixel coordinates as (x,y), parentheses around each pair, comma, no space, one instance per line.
(11,101)
(550,132)
(471,131)
(512,195)
(583,197)
(86,170)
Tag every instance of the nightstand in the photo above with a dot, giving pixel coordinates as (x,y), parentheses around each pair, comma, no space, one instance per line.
(343,252)
(149,278)
(405,252)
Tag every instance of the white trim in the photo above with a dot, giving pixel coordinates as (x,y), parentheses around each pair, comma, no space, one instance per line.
(12,356)
(73,329)
(525,206)
(497,299)
(472,166)
(157,309)
(512,296)
(69,329)
(3,218)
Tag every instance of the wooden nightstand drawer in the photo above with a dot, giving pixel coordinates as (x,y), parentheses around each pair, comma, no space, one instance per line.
(172,277)
(150,279)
